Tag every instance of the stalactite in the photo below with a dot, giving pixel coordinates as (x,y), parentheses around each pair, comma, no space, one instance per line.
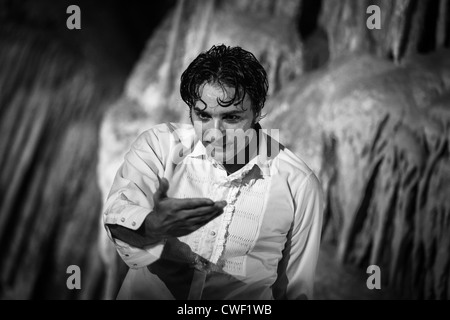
(408,27)
(387,187)
(167,73)
(39,191)
(384,168)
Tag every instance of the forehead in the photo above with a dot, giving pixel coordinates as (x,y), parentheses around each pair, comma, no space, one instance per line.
(211,94)
(215,91)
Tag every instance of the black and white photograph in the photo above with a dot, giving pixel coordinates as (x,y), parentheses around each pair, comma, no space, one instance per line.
(236,151)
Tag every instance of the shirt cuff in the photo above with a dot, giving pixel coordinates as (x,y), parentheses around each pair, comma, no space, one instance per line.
(137,258)
(131,218)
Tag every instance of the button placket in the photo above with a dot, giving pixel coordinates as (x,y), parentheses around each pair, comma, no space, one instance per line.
(226,220)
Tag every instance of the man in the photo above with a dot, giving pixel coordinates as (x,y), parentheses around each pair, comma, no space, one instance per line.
(205,211)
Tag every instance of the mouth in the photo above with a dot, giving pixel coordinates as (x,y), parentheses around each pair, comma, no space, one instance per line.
(215,144)
(218,148)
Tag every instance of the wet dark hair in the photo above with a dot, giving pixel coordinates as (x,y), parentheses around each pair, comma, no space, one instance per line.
(226,66)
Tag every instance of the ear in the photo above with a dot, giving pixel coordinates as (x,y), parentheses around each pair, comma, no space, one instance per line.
(257,117)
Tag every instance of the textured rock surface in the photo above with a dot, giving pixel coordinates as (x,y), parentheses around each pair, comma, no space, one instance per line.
(55,85)
(378,136)
(407,27)
(376,133)
(50,198)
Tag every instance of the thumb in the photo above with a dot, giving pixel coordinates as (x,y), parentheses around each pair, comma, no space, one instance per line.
(162,189)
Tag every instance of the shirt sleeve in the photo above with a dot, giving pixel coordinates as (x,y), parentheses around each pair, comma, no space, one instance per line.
(131,197)
(302,247)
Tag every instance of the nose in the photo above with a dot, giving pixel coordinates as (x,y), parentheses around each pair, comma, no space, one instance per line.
(214,131)
(218,125)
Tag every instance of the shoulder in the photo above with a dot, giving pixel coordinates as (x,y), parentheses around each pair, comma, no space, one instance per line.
(168,129)
(305,188)
(299,175)
(166,134)
(292,165)
(285,164)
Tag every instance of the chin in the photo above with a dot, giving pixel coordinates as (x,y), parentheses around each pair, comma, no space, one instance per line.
(222,157)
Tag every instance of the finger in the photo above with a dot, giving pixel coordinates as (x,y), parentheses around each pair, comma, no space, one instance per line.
(200,221)
(192,203)
(221,203)
(203,213)
(195,224)
(162,189)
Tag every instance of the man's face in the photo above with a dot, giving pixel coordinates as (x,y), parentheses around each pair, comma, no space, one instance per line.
(217,125)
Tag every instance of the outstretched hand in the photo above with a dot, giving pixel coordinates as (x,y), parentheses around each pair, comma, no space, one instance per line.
(173,217)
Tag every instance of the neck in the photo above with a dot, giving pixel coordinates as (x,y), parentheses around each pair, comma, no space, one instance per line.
(235,166)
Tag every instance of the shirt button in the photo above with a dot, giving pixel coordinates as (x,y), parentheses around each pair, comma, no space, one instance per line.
(123,219)
(133,224)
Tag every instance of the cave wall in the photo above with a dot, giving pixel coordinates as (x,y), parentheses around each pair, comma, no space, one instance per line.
(378,137)
(370,108)
(407,27)
(55,86)
(50,114)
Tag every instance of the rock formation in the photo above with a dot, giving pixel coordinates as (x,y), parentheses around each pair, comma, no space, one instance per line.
(55,86)
(378,136)
(370,108)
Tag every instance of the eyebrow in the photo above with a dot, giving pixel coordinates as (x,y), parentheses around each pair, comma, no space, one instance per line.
(233,112)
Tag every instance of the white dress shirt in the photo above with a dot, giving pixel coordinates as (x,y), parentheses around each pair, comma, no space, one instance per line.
(265,245)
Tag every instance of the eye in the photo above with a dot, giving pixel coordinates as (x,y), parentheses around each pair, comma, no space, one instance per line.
(202,116)
(232,118)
